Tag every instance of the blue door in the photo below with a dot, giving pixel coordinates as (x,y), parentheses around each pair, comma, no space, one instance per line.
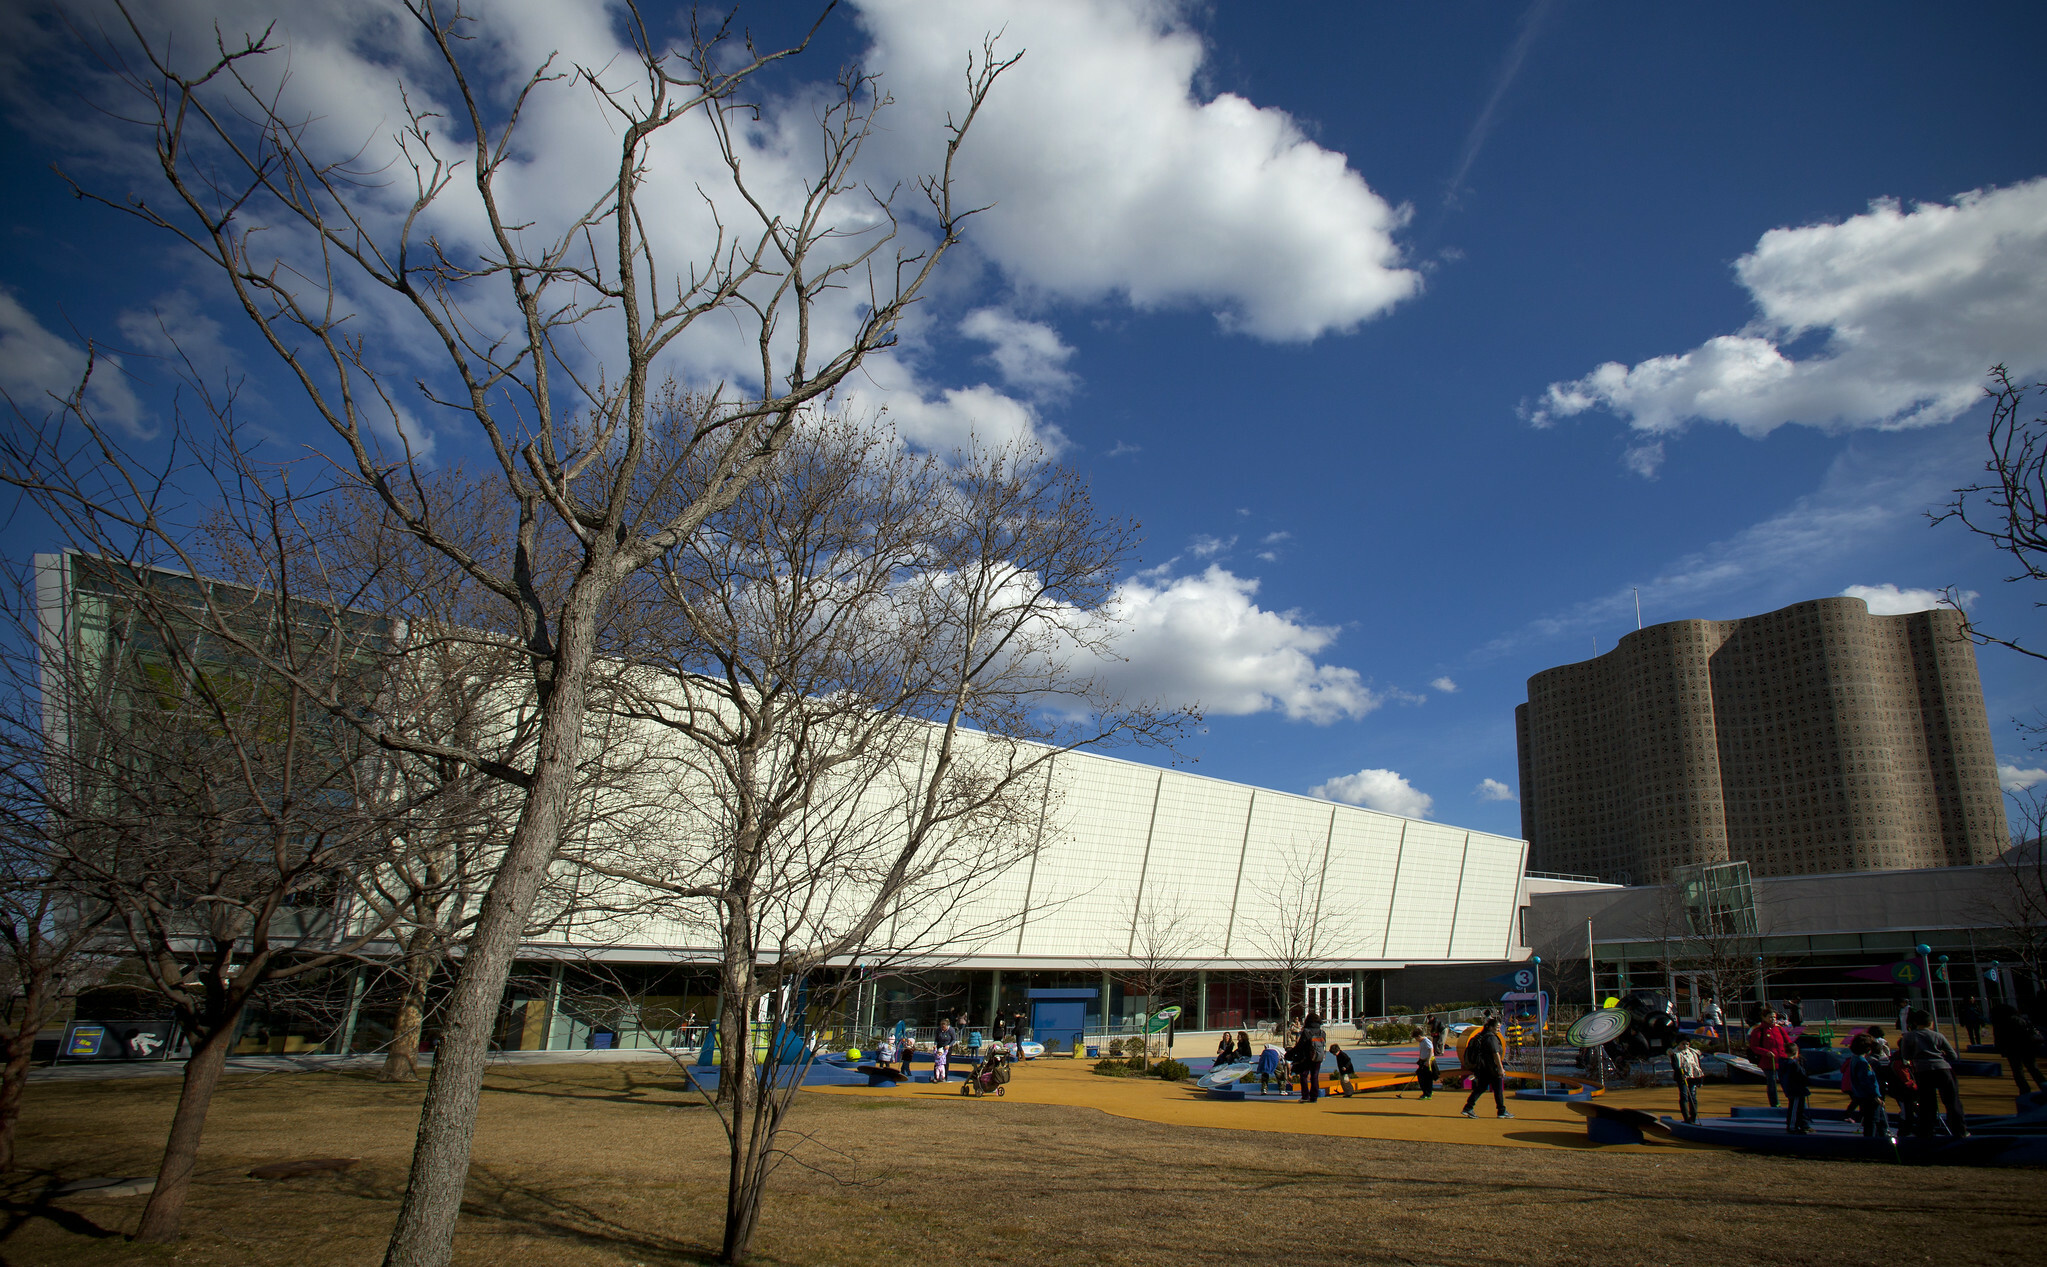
(1058,1023)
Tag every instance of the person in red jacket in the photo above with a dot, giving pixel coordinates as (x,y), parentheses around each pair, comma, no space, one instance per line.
(1769,1044)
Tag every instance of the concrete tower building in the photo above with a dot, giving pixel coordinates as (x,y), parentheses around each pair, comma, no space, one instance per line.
(1813,739)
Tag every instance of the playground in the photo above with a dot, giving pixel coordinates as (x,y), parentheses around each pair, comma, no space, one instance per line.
(607,1163)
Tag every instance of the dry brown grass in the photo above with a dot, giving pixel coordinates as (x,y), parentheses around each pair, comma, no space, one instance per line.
(590,1164)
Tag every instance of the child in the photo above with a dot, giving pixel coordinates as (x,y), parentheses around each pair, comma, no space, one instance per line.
(1797,1087)
(940,1058)
(1270,1066)
(1686,1067)
(885,1055)
(1425,1066)
(1865,1089)
(909,1050)
(1344,1071)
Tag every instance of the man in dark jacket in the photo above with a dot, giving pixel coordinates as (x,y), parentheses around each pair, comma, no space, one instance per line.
(1932,1059)
(1485,1059)
(2013,1037)
(1306,1057)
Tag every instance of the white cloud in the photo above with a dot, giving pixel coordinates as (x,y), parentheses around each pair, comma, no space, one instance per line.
(949,418)
(1204,640)
(2012,779)
(1205,546)
(1105,177)
(1494,790)
(1863,499)
(1029,354)
(1109,175)
(1908,308)
(1123,448)
(1889,600)
(37,365)
(1274,538)
(1382,790)
(1444,685)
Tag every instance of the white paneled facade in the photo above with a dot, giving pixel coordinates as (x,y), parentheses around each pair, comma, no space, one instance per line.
(1241,867)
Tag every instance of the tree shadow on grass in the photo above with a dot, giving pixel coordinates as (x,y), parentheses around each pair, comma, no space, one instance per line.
(545,1210)
(25,1204)
(638,1090)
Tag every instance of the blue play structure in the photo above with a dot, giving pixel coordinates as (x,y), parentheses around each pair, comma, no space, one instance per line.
(2019,1139)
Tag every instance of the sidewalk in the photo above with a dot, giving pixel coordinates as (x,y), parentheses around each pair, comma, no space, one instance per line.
(315,1063)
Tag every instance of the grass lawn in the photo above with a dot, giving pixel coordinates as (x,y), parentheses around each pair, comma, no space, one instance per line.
(616,1164)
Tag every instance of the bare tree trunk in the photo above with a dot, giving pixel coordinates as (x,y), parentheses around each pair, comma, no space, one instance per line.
(21,1046)
(181,1151)
(425,1233)
(736,1087)
(401,1062)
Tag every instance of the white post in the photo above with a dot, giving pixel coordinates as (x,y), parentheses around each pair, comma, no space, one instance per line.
(1541,1028)
(1591,968)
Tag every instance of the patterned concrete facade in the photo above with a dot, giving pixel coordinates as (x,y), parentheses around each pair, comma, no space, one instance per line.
(1818,738)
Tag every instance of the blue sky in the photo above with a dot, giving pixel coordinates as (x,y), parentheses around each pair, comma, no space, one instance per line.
(1321,294)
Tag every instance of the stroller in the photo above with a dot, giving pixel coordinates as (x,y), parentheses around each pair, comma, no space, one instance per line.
(991,1075)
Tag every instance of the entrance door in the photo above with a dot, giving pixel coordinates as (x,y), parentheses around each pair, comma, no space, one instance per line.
(1330,1000)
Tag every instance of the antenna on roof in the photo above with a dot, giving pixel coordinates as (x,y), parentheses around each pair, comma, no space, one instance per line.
(1638,605)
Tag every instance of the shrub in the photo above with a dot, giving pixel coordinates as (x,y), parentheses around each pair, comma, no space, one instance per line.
(1114,1068)
(1390,1032)
(1399,1011)
(1172,1071)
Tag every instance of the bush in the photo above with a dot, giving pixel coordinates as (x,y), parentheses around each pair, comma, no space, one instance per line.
(1399,1011)
(1115,1069)
(1172,1071)
(1391,1032)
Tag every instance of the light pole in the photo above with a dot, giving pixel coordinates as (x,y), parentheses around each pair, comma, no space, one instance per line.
(1762,998)
(1954,1017)
(1926,967)
(1541,1026)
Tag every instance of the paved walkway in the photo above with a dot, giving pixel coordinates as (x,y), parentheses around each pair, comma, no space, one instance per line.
(114,1070)
(1372,1115)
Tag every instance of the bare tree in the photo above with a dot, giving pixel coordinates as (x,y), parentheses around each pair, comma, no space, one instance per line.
(2020,910)
(218,809)
(1293,931)
(1164,937)
(50,926)
(586,448)
(1711,945)
(874,675)
(2009,508)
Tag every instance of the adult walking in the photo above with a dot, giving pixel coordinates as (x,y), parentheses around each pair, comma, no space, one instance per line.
(1932,1058)
(1769,1046)
(1688,1071)
(1306,1057)
(2012,1034)
(1972,1018)
(1486,1058)
(1425,1066)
